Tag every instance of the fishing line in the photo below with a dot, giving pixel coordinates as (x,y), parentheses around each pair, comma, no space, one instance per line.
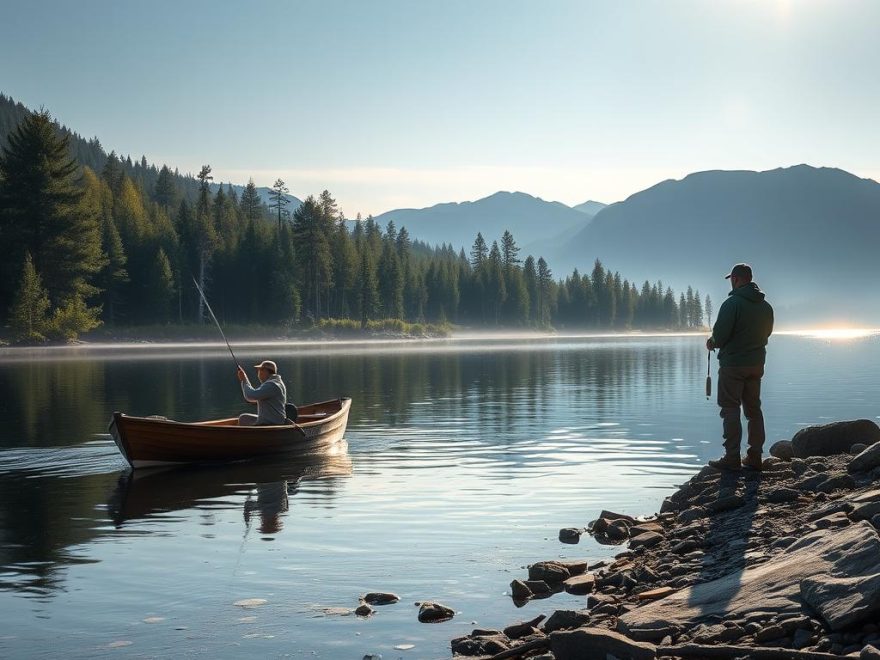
(211,311)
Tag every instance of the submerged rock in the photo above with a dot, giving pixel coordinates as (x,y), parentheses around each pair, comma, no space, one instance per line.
(430,612)
(380,598)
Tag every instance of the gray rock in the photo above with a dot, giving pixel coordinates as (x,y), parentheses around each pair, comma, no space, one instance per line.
(434,613)
(481,645)
(538,587)
(811,482)
(782,449)
(646,540)
(574,566)
(610,515)
(691,514)
(833,507)
(519,590)
(867,460)
(869,653)
(643,527)
(596,600)
(566,620)
(523,628)
(865,511)
(842,601)
(783,542)
(769,632)
(835,438)
(834,521)
(580,585)
(857,448)
(380,598)
(570,534)
(772,586)
(550,572)
(727,503)
(837,482)
(798,466)
(802,638)
(782,494)
(598,643)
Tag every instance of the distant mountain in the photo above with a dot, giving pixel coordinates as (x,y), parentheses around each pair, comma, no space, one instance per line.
(527,218)
(263,192)
(811,234)
(590,207)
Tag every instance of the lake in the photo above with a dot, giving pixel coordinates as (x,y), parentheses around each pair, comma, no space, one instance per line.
(462,460)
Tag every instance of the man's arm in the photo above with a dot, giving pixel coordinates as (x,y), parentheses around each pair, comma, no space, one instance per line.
(264,391)
(723,328)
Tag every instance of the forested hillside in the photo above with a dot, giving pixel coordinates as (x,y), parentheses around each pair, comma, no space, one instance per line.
(88,238)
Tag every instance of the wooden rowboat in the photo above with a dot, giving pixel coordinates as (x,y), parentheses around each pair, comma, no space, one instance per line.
(149,441)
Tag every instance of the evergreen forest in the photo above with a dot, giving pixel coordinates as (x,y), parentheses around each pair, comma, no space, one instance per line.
(90,239)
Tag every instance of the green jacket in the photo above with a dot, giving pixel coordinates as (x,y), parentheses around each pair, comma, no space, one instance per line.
(744,323)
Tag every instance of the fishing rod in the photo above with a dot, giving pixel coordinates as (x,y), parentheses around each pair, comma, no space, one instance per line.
(708,374)
(217,323)
(211,311)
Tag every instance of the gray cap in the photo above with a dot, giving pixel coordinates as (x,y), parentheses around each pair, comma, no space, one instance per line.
(268,365)
(741,271)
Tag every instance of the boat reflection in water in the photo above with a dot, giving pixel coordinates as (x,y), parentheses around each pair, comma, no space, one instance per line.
(266,486)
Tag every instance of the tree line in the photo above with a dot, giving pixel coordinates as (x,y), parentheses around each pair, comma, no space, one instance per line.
(121,245)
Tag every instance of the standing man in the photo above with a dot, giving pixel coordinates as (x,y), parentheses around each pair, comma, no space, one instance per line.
(270,396)
(744,323)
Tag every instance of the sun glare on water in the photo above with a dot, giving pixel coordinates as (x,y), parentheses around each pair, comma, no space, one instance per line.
(838,333)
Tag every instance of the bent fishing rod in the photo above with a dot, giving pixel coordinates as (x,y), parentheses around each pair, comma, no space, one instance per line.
(217,323)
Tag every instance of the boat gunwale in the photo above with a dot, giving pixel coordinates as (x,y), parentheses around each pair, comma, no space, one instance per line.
(212,423)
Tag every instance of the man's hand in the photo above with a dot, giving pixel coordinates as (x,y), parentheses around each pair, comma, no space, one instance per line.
(242,376)
(710,344)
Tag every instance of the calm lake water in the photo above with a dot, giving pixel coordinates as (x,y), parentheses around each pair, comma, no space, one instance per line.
(462,460)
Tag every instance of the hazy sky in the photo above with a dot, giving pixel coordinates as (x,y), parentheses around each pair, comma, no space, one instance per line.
(391,104)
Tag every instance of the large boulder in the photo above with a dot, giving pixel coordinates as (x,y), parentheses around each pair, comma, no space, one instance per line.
(834,438)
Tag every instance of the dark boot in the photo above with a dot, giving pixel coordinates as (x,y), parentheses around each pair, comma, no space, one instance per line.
(727,462)
(752,461)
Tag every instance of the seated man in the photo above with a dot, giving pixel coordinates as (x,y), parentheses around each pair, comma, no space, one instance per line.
(270,396)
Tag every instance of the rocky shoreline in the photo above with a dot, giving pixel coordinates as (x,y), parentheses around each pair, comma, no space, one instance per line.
(782,563)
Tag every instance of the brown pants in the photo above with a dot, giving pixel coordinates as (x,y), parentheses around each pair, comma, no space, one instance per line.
(741,386)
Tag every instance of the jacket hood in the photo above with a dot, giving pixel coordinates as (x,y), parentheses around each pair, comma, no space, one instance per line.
(749,291)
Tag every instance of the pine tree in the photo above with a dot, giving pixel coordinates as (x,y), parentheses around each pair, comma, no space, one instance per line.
(709,310)
(479,252)
(42,212)
(205,233)
(509,250)
(279,200)
(28,317)
(251,206)
(544,285)
(368,295)
(165,190)
(313,251)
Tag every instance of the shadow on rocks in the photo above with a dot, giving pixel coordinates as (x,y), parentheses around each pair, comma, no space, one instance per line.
(732,503)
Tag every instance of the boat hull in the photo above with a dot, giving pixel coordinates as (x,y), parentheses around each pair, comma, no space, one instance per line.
(151,441)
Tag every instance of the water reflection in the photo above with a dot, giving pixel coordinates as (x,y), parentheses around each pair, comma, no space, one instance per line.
(264,485)
(47,523)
